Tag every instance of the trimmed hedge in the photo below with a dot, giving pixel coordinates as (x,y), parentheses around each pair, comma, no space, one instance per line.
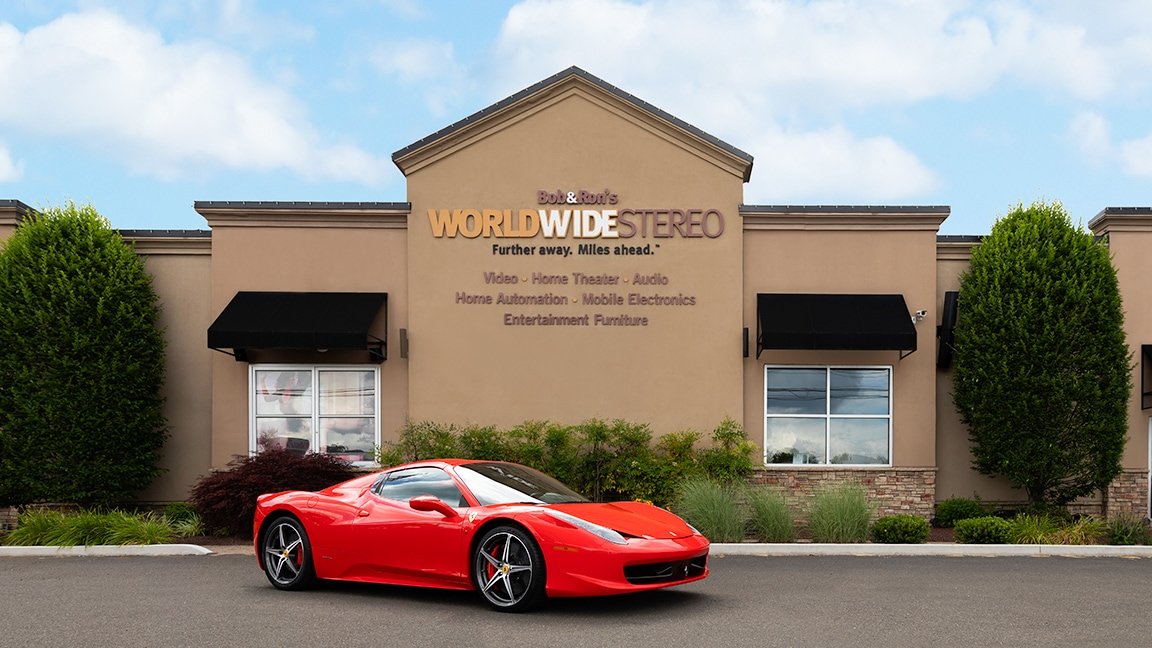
(901,529)
(983,530)
(953,509)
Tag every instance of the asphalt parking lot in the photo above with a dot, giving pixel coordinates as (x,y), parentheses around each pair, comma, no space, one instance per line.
(224,600)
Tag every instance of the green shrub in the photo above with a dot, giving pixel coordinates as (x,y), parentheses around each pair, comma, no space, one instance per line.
(1027,528)
(476,442)
(957,508)
(226,499)
(729,459)
(605,460)
(179,511)
(422,440)
(770,519)
(711,508)
(983,530)
(840,514)
(901,529)
(1128,529)
(81,363)
(1055,512)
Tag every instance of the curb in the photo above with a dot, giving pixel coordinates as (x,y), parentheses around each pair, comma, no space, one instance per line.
(932,549)
(108,550)
(717,550)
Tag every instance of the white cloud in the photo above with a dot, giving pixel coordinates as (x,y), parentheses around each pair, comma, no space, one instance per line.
(1136,156)
(832,165)
(168,109)
(795,70)
(429,64)
(1091,133)
(10,170)
(773,77)
(416,60)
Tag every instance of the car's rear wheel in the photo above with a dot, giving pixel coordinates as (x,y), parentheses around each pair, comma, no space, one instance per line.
(286,555)
(508,569)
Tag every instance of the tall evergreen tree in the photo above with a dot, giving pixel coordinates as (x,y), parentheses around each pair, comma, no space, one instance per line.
(81,363)
(1042,367)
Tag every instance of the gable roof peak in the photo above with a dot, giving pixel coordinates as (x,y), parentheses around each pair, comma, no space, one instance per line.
(404,157)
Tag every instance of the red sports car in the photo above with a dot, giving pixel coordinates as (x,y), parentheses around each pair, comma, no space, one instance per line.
(509,531)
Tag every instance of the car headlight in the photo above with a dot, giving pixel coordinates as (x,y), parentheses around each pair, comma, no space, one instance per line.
(596,529)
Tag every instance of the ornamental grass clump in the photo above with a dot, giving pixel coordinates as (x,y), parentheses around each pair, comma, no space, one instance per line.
(711,508)
(53,528)
(1032,529)
(770,519)
(840,514)
(1087,530)
(1128,529)
(901,529)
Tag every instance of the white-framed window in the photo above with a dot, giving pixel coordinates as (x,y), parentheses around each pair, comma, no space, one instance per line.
(828,415)
(330,408)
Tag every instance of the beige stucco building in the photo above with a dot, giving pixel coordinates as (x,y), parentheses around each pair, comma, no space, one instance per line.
(572,252)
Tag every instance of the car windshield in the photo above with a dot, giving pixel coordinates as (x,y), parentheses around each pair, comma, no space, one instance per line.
(502,483)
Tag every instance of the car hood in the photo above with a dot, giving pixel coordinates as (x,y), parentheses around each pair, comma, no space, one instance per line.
(629,518)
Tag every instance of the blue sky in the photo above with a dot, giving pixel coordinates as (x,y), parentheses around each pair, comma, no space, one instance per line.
(143,107)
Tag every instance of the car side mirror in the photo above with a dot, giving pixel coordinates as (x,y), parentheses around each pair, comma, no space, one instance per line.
(432,503)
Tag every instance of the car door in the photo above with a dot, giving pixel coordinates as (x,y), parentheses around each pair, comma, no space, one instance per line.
(405,546)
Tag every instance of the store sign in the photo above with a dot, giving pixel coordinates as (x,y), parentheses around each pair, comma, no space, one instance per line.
(577,222)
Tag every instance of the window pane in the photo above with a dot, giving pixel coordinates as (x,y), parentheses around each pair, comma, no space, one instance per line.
(283,392)
(353,437)
(350,393)
(796,391)
(794,440)
(406,484)
(859,391)
(858,441)
(292,434)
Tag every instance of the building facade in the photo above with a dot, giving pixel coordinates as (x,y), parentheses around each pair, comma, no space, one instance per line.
(573,252)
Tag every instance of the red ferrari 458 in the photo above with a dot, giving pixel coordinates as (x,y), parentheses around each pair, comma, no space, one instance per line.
(511,532)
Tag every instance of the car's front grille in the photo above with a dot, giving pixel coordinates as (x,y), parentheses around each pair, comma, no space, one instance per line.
(666,572)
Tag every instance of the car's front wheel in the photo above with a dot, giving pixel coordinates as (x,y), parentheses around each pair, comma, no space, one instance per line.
(508,569)
(286,555)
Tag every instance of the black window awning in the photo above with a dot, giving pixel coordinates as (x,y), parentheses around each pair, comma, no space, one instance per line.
(834,322)
(299,320)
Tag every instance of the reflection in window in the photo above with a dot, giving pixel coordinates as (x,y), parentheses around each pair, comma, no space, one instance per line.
(403,485)
(827,415)
(314,409)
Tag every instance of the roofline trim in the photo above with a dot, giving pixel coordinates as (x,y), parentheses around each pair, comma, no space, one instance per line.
(563,75)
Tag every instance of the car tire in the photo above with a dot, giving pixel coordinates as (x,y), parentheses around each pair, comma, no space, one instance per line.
(508,569)
(286,555)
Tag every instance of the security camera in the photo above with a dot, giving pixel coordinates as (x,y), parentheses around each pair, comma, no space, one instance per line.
(921,313)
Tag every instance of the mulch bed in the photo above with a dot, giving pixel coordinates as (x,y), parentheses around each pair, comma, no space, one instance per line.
(942,535)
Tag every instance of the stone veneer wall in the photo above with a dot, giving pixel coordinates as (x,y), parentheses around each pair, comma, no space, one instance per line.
(8,516)
(893,491)
(1127,494)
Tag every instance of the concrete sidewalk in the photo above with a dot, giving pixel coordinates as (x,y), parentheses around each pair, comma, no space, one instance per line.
(718,549)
